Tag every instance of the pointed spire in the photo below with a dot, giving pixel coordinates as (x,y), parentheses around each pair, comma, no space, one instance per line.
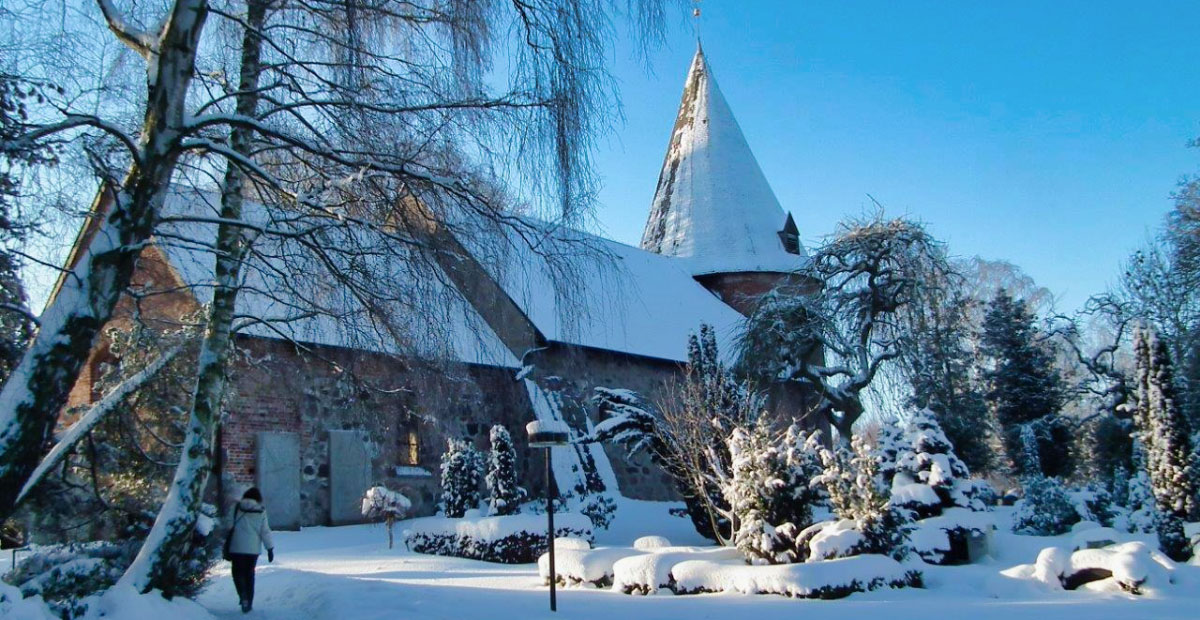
(713,205)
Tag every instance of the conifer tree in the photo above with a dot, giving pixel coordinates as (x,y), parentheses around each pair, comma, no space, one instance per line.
(462,466)
(768,489)
(941,372)
(1163,430)
(928,458)
(1024,389)
(504,494)
(851,476)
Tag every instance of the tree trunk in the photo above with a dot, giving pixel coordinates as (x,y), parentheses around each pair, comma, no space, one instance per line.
(38,387)
(157,565)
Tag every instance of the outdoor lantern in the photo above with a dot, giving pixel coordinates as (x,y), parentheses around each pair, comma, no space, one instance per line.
(548,434)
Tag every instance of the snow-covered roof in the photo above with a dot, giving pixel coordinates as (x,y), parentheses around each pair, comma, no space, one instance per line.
(585,290)
(283,284)
(713,206)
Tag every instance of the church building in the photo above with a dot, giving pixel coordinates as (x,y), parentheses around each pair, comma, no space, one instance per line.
(716,239)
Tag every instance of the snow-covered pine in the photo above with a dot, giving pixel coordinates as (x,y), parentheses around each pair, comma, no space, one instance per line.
(688,434)
(1174,473)
(93,416)
(1046,509)
(462,465)
(768,491)
(851,476)
(928,459)
(890,441)
(504,494)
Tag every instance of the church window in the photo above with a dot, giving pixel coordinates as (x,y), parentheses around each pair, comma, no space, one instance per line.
(409,443)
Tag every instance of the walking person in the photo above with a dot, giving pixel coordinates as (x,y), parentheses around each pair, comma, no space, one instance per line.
(250,532)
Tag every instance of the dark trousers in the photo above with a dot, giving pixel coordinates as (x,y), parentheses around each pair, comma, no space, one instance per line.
(243,575)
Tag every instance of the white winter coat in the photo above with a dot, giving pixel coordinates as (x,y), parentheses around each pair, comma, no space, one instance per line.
(251,530)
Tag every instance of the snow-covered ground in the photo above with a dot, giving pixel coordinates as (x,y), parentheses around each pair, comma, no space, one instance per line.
(348,572)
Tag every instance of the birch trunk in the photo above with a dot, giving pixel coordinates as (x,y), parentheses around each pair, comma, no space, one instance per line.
(157,565)
(39,385)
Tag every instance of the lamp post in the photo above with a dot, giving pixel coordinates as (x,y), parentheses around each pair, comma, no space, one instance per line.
(548,434)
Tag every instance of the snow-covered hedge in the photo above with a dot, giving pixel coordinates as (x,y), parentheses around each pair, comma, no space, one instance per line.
(116,602)
(825,579)
(651,572)
(584,566)
(510,539)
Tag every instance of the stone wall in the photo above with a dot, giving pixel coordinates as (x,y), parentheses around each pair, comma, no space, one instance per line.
(286,390)
(582,369)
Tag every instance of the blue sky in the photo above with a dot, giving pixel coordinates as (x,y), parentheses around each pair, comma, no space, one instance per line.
(1049,134)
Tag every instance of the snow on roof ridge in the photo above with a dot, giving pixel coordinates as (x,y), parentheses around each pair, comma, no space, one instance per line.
(713,206)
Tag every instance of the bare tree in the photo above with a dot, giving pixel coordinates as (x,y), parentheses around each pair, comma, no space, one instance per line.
(876,274)
(360,127)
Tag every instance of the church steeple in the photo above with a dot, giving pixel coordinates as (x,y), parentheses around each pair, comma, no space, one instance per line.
(713,206)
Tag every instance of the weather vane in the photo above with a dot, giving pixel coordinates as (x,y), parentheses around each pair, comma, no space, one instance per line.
(696,18)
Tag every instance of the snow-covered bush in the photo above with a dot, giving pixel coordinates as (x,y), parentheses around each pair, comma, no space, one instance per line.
(650,572)
(927,458)
(768,490)
(462,465)
(946,539)
(1133,567)
(63,575)
(583,566)
(68,576)
(504,494)
(856,493)
(646,543)
(1046,509)
(1093,503)
(380,502)
(822,580)
(511,539)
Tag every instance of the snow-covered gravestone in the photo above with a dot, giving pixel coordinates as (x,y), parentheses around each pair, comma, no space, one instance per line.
(277,473)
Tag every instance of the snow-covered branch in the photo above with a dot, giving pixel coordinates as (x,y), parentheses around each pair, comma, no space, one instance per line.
(140,41)
(93,416)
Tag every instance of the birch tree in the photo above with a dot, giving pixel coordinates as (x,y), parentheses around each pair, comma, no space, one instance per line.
(38,385)
(388,96)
